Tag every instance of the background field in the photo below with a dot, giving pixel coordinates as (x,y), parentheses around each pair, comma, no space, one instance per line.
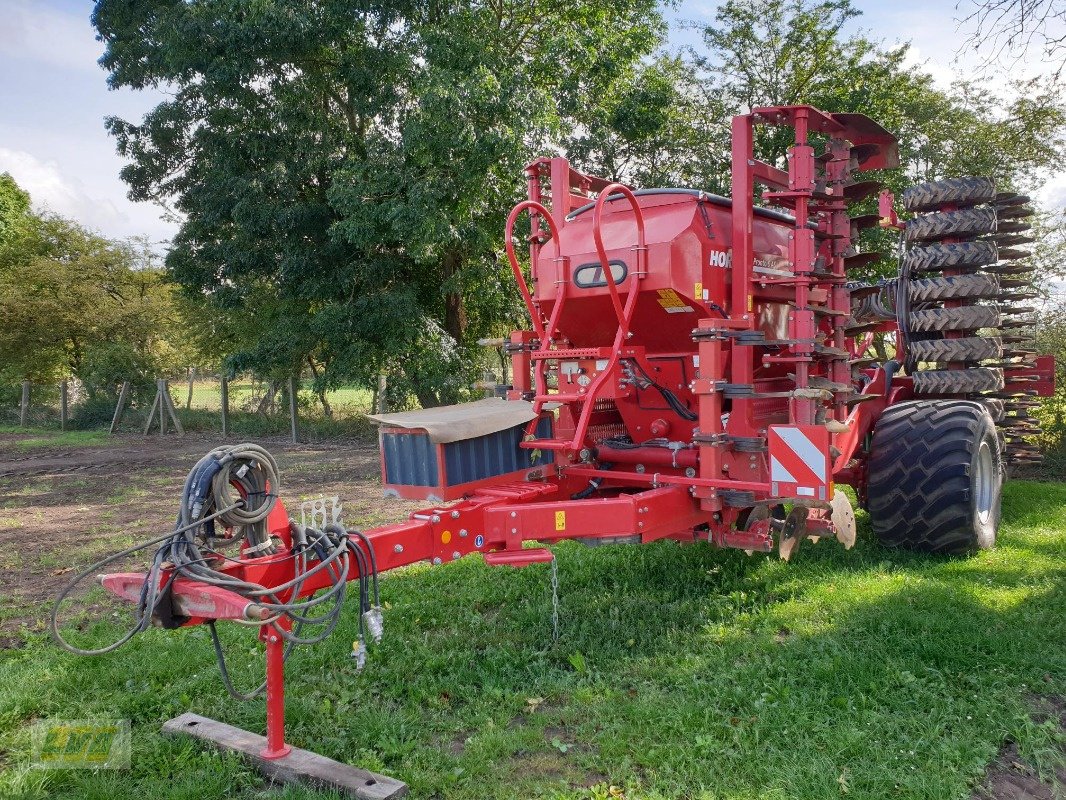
(680,672)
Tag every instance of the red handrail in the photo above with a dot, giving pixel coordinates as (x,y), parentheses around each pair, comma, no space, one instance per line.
(536,209)
(601,251)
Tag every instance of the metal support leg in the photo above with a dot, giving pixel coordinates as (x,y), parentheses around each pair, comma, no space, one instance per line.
(275,695)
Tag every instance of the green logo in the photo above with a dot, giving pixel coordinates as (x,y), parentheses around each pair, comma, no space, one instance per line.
(84,744)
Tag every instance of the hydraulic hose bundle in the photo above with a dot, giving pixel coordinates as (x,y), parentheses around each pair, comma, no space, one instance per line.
(212,519)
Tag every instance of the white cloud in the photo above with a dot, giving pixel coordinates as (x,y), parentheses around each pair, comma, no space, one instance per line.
(36,33)
(1053,193)
(51,190)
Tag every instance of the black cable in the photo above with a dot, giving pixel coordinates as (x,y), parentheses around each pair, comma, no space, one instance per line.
(189,552)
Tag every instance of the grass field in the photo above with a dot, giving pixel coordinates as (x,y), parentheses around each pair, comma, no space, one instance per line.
(680,672)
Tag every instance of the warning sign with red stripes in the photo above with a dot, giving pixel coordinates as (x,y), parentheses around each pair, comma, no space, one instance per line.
(799,461)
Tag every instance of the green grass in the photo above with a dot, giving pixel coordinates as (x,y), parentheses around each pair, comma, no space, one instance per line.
(207,395)
(42,437)
(681,672)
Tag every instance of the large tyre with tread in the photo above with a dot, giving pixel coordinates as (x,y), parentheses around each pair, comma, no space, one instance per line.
(963,318)
(959,192)
(946,224)
(954,287)
(951,255)
(958,381)
(971,348)
(935,477)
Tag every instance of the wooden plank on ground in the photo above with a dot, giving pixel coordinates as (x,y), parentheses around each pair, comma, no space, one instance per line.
(299,766)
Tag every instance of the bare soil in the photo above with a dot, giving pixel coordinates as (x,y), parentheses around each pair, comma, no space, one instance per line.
(62,509)
(1010,777)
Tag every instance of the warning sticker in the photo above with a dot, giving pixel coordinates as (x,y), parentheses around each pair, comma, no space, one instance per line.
(560,520)
(672,303)
(799,461)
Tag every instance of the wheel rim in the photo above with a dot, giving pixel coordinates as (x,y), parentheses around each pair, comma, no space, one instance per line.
(984,482)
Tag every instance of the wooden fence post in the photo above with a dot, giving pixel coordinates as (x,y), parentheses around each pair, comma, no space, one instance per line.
(62,405)
(155,405)
(292,406)
(192,377)
(225,405)
(120,408)
(382,403)
(161,394)
(168,407)
(24,409)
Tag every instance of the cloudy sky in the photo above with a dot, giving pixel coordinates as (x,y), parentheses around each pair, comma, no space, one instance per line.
(54,99)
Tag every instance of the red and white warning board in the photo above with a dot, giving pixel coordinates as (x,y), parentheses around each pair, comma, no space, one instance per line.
(799,461)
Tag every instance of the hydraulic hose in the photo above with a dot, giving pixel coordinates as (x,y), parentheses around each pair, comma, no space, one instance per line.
(192,551)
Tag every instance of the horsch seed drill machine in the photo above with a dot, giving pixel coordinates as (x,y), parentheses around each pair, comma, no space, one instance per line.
(696,368)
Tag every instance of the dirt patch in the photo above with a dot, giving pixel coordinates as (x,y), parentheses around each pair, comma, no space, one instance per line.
(552,765)
(1010,777)
(62,509)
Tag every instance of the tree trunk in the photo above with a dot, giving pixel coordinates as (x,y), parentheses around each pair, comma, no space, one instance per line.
(454,312)
(321,390)
(381,400)
(188,397)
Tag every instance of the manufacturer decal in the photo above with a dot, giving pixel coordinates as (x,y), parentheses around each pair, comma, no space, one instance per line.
(721,258)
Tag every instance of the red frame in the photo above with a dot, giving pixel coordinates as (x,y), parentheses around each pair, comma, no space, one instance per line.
(649,492)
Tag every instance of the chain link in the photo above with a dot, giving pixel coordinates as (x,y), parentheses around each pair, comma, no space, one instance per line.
(555,598)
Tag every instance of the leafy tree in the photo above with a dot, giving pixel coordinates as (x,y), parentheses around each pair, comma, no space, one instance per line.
(75,303)
(14,211)
(345,170)
(1009,30)
(661,125)
(786,52)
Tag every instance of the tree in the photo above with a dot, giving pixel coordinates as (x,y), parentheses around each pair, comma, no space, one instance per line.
(14,212)
(786,52)
(1008,30)
(345,170)
(75,303)
(661,125)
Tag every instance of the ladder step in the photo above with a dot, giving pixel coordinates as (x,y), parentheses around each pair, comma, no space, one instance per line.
(561,398)
(546,444)
(519,558)
(574,352)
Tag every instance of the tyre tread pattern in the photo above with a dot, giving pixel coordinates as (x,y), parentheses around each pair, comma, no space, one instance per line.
(951,255)
(919,474)
(956,191)
(970,348)
(958,381)
(964,223)
(954,287)
(963,318)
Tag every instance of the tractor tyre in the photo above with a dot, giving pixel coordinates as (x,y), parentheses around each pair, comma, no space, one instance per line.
(935,477)
(958,381)
(954,287)
(959,192)
(971,348)
(951,224)
(995,407)
(963,318)
(955,255)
